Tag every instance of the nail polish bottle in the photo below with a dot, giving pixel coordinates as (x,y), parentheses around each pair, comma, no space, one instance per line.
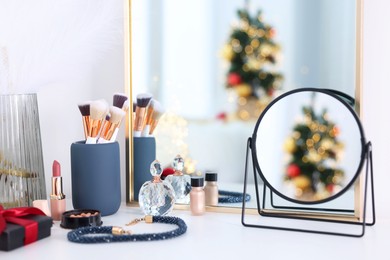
(197,196)
(211,189)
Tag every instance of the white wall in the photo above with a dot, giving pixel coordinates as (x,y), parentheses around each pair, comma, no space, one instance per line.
(376,92)
(75,53)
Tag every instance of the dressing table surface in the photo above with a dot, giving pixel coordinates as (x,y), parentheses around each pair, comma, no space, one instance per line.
(213,235)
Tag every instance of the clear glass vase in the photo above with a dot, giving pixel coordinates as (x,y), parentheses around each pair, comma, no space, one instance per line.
(22,178)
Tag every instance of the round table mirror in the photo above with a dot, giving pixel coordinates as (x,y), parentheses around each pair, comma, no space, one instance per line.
(308,146)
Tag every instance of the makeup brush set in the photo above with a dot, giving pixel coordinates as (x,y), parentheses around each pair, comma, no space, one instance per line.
(101,121)
(146,114)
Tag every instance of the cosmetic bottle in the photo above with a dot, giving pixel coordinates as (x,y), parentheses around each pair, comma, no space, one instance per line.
(180,182)
(57,197)
(197,197)
(211,189)
(156,197)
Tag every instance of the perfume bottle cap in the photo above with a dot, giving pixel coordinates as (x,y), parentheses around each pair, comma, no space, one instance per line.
(178,163)
(211,176)
(197,182)
(155,168)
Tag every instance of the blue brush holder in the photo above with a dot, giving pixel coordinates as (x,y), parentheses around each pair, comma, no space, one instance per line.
(144,154)
(96,176)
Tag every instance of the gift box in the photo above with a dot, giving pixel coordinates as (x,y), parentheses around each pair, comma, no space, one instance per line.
(22,226)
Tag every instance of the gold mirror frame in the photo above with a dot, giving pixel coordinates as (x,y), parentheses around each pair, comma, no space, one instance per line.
(128,90)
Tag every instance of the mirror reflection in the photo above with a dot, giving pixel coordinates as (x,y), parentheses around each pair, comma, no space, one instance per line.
(316,150)
(214,71)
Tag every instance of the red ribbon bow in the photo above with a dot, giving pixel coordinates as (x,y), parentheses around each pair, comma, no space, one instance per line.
(13,216)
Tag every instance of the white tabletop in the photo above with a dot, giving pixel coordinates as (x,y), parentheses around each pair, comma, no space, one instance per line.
(218,235)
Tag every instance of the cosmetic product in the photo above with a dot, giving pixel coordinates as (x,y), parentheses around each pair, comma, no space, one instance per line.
(81,218)
(148,117)
(120,101)
(85,113)
(180,182)
(98,109)
(116,116)
(157,114)
(197,197)
(211,189)
(57,197)
(156,197)
(140,112)
(42,205)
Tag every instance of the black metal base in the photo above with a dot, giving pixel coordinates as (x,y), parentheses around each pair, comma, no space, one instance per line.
(300,213)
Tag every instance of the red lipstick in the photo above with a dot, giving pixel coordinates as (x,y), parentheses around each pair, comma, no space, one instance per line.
(57,197)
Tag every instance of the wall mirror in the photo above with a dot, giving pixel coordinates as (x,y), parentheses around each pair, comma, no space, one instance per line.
(179,56)
(316,156)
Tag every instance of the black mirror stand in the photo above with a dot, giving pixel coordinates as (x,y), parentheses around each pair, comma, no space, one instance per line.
(304,213)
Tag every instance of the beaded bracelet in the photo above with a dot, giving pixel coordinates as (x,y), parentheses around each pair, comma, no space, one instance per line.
(105,234)
(232,197)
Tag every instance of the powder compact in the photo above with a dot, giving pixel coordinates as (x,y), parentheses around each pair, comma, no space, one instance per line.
(81,218)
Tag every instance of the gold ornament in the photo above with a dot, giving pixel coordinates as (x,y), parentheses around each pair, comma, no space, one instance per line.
(301,182)
(227,52)
(254,64)
(313,156)
(243,90)
(289,145)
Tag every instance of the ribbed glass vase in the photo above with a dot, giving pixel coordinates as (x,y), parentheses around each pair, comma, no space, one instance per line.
(22,178)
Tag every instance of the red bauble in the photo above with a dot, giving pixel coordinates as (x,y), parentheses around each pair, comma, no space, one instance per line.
(330,188)
(222,116)
(270,92)
(234,79)
(293,170)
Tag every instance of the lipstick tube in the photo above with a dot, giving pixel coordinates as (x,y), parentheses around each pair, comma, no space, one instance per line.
(57,197)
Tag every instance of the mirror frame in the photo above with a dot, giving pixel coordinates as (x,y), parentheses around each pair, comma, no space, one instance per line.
(128,90)
(362,140)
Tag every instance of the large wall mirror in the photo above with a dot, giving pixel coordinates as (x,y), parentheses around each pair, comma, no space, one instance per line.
(182,55)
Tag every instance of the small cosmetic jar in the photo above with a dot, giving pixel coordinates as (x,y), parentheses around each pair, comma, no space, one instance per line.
(81,218)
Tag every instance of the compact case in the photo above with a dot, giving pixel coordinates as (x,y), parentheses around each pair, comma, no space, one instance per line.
(81,218)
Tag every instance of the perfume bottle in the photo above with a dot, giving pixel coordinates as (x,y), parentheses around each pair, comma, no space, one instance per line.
(156,197)
(180,182)
(211,189)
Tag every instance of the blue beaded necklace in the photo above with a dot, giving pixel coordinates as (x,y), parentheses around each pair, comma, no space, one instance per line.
(232,197)
(104,234)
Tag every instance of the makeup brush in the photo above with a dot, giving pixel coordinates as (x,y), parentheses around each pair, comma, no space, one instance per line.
(119,99)
(116,115)
(98,111)
(140,111)
(148,117)
(134,108)
(157,114)
(85,112)
(125,108)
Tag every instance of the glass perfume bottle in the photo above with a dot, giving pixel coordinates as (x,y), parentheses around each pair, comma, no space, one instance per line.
(180,182)
(156,197)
